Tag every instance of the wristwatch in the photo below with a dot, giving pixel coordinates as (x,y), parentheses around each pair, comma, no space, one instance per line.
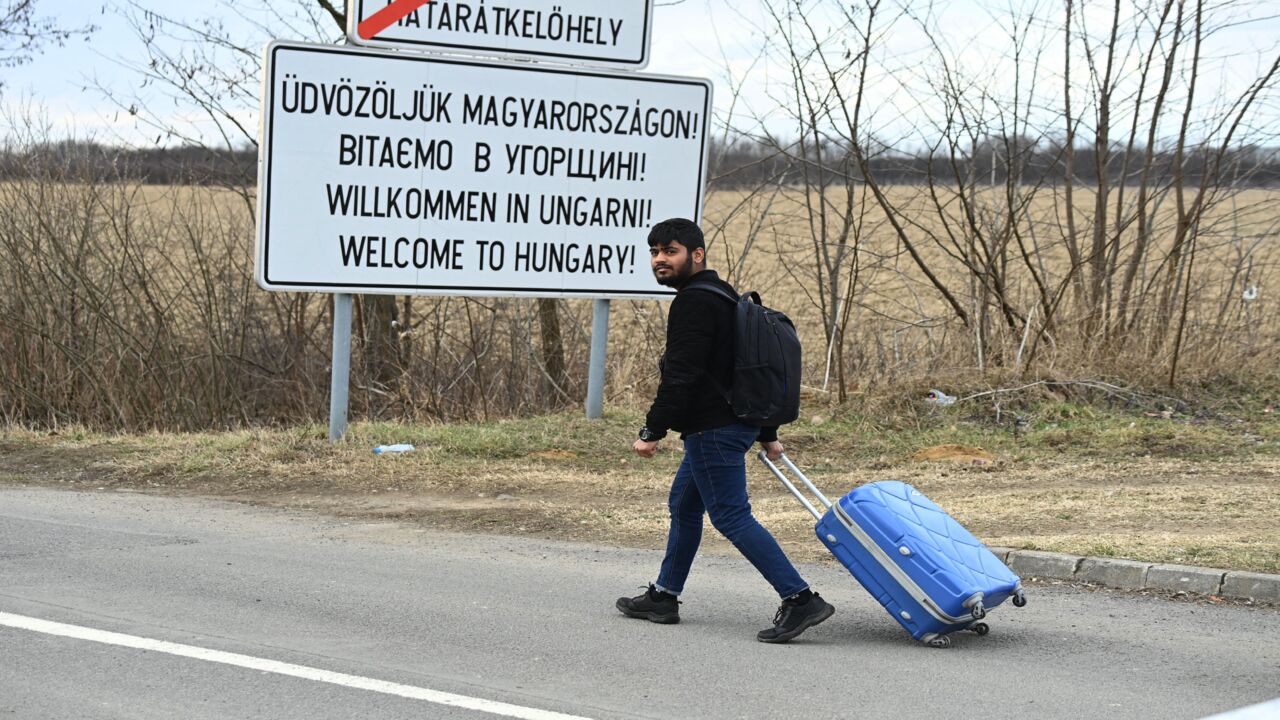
(648,435)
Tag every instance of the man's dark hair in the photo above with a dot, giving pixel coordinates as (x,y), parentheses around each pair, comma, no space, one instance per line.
(685,232)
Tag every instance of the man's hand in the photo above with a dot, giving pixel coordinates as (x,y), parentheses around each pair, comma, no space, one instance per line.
(773,449)
(645,449)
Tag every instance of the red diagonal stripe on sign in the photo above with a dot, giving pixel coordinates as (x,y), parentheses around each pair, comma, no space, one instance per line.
(387,16)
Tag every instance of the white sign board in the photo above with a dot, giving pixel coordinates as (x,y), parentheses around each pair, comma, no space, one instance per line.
(596,32)
(401,174)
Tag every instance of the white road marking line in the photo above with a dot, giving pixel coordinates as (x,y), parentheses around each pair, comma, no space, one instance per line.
(1269,710)
(281,668)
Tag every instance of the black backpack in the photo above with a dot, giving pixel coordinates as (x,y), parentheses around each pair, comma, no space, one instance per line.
(766,361)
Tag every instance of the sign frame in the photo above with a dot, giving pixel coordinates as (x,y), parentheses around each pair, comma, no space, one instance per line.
(265,146)
(356,8)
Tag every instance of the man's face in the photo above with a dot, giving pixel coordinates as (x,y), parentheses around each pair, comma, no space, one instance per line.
(673,264)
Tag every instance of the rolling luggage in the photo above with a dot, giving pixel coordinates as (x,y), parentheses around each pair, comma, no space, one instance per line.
(933,576)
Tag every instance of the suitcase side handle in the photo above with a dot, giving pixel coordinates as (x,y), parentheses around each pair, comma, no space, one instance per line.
(777,472)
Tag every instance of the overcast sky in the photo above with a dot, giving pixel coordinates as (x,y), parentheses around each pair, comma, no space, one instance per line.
(73,86)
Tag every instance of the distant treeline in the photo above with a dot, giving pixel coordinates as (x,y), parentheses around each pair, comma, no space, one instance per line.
(737,165)
(192,165)
(749,164)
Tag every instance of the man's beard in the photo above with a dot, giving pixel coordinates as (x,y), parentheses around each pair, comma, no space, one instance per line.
(678,275)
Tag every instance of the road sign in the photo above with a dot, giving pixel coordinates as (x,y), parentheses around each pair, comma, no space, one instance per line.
(591,32)
(397,11)
(405,174)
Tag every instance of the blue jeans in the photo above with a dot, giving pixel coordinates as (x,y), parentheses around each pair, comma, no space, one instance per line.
(713,479)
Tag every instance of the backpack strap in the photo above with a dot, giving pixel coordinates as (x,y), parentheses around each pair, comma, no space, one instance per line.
(711,288)
(717,290)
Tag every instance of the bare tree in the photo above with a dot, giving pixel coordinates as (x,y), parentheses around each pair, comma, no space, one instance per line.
(1098,253)
(24,34)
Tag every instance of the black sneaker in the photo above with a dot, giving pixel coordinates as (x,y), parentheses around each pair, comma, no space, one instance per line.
(654,606)
(795,617)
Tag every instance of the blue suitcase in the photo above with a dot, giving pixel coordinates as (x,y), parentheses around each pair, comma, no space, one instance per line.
(933,576)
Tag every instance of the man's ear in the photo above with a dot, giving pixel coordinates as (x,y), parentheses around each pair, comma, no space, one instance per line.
(700,256)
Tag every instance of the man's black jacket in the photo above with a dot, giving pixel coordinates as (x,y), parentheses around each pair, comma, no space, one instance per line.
(698,362)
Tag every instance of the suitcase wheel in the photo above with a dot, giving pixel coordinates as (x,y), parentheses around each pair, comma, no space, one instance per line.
(938,641)
(980,628)
(1020,599)
(978,612)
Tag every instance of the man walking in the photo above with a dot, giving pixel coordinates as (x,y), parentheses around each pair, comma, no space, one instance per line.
(696,367)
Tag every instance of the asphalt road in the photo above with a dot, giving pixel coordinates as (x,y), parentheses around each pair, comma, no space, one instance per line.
(119,605)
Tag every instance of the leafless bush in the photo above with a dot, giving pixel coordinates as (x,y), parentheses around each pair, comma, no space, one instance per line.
(133,307)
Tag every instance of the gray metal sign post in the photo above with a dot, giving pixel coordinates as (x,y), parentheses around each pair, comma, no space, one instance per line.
(599,347)
(340,367)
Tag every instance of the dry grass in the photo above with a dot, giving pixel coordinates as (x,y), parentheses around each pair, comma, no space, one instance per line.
(900,325)
(1115,484)
(128,307)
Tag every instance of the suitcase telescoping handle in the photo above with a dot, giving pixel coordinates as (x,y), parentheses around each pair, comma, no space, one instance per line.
(764,458)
